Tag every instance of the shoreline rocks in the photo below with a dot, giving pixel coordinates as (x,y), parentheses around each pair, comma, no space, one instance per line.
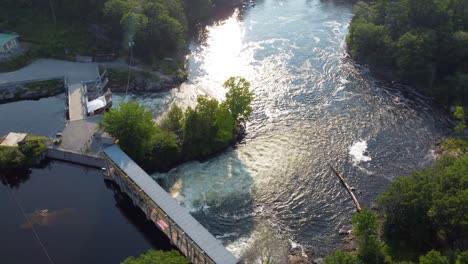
(145,85)
(30,91)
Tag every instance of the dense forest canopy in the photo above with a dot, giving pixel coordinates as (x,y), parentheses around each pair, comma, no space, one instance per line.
(424,42)
(422,218)
(158,28)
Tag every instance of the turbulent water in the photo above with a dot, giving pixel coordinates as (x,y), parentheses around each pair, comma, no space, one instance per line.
(313,105)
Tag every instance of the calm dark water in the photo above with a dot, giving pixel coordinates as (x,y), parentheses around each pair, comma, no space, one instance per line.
(90,221)
(44,117)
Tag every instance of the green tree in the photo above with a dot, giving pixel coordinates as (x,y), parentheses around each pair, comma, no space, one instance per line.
(365,224)
(200,130)
(133,126)
(11,158)
(238,98)
(433,257)
(165,151)
(414,55)
(172,121)
(428,209)
(156,257)
(225,124)
(133,22)
(462,258)
(420,42)
(460,114)
(118,8)
(33,148)
(371,248)
(342,258)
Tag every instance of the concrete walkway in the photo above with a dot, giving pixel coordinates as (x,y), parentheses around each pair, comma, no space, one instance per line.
(74,72)
(78,135)
(46,68)
(76,102)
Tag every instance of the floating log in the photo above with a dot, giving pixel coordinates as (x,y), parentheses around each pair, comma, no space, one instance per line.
(356,202)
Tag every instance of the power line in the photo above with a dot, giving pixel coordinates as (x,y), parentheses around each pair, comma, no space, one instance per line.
(29,222)
(130,45)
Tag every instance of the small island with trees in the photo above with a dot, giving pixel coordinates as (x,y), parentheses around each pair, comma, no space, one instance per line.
(22,151)
(181,136)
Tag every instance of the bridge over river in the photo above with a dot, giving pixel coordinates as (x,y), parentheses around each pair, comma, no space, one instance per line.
(192,239)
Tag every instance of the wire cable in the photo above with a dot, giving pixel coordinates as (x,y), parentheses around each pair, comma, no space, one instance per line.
(29,222)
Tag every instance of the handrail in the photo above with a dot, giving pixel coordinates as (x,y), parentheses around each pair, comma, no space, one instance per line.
(151,202)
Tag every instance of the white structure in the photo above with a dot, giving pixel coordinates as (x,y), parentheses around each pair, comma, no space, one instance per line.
(8,43)
(96,104)
(12,139)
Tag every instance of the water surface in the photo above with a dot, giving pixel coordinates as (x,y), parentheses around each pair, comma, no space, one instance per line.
(313,105)
(88,221)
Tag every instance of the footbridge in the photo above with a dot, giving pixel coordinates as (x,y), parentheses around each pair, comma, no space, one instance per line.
(192,239)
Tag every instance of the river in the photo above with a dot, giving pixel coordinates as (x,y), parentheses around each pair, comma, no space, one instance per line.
(313,105)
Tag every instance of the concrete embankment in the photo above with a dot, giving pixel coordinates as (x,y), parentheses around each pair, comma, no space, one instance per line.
(33,89)
(86,159)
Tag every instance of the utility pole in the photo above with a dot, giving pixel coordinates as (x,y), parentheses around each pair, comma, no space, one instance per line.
(130,45)
(53,12)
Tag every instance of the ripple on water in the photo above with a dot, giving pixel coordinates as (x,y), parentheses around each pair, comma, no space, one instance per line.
(312,106)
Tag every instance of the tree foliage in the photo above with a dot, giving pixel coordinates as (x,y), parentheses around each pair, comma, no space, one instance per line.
(173,120)
(424,42)
(158,256)
(196,133)
(238,98)
(371,248)
(159,27)
(428,209)
(433,257)
(422,218)
(460,114)
(27,154)
(133,126)
(11,158)
(340,257)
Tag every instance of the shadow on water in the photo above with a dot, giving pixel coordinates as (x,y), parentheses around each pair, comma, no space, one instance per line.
(137,218)
(73,211)
(222,203)
(15,177)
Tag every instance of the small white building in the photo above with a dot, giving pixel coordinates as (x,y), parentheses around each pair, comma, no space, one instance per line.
(8,43)
(12,139)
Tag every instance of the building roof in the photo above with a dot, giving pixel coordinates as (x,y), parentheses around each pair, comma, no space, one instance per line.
(4,38)
(12,139)
(96,104)
(204,239)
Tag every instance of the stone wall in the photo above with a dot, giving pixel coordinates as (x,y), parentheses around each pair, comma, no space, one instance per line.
(17,91)
(76,157)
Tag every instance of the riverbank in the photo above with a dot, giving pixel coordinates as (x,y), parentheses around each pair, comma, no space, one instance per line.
(34,90)
(139,78)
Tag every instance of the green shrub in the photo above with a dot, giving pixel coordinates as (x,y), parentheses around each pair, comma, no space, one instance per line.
(44,84)
(11,158)
(33,149)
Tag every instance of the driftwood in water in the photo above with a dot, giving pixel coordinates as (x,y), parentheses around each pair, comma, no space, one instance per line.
(356,202)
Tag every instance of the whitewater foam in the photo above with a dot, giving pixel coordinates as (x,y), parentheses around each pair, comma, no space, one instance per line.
(357,151)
